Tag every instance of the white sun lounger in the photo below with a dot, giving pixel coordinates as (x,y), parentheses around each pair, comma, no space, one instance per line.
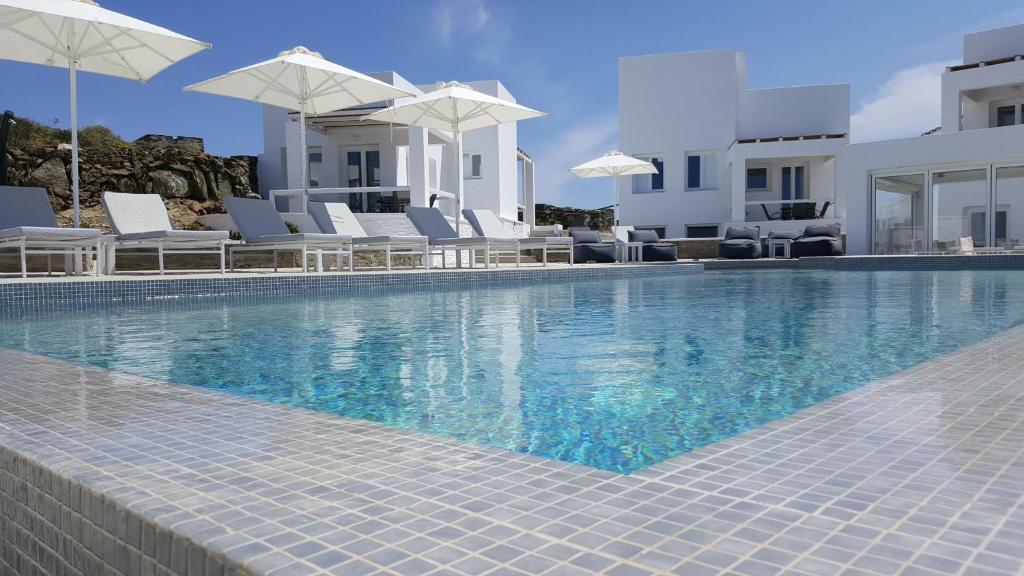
(337,218)
(140,221)
(486,223)
(263,230)
(432,224)
(27,224)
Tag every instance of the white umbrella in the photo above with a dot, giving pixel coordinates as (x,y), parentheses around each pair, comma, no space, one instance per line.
(79,35)
(304,81)
(457,108)
(614,164)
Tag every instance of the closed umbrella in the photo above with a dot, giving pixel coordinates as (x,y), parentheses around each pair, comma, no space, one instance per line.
(301,80)
(456,108)
(614,164)
(80,35)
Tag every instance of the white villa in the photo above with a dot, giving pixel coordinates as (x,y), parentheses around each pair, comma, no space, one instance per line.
(726,154)
(780,159)
(922,194)
(379,168)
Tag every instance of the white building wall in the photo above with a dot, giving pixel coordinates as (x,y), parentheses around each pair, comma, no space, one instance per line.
(994,44)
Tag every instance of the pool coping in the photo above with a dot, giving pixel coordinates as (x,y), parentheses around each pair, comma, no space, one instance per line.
(916,473)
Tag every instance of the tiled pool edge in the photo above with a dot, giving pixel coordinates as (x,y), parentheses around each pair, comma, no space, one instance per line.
(44,295)
(691,474)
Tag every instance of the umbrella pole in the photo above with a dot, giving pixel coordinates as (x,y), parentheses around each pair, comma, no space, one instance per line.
(615,200)
(305,164)
(73,73)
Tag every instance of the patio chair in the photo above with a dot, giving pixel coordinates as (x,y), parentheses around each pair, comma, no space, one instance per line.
(587,246)
(487,224)
(818,240)
(141,222)
(337,218)
(805,211)
(824,208)
(28,225)
(653,249)
(740,243)
(442,237)
(263,230)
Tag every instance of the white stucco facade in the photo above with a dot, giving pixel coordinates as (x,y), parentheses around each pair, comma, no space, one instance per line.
(923,194)
(379,168)
(695,116)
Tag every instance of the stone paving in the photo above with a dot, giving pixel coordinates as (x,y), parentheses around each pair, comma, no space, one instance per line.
(921,473)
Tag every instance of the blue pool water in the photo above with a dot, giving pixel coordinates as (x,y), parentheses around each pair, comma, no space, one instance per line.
(613,373)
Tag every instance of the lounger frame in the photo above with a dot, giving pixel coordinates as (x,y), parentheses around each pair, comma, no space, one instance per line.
(318,248)
(49,247)
(164,246)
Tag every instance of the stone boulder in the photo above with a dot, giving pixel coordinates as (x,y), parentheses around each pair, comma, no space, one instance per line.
(53,176)
(168,184)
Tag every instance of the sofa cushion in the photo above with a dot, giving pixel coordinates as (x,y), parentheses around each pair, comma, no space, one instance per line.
(585,236)
(753,233)
(645,236)
(784,235)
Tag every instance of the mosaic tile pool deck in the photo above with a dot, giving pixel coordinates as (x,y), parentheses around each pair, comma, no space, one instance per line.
(921,473)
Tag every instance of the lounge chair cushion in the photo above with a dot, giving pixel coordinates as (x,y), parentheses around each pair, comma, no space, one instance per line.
(255,218)
(659,252)
(299,238)
(645,236)
(476,241)
(24,206)
(593,252)
(753,233)
(336,218)
(49,233)
(585,236)
(135,213)
(546,241)
(177,235)
(822,231)
(431,223)
(390,240)
(486,223)
(816,246)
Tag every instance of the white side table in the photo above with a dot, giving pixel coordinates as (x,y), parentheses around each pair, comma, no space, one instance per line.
(634,251)
(774,243)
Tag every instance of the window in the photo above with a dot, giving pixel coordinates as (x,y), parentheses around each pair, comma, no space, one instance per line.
(794,183)
(643,183)
(471,164)
(956,197)
(316,165)
(1007,113)
(1010,206)
(702,230)
(899,214)
(700,172)
(757,178)
(659,230)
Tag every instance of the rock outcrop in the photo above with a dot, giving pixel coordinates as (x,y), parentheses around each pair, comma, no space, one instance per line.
(177,168)
(599,219)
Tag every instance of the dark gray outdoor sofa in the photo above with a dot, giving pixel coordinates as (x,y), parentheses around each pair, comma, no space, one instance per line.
(653,250)
(818,240)
(740,243)
(588,247)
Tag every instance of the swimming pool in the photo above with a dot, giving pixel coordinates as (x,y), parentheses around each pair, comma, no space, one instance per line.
(612,373)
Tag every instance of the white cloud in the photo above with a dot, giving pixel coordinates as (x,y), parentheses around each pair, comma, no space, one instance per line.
(580,142)
(469,25)
(907,104)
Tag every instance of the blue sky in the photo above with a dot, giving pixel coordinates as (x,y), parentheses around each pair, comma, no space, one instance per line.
(556,56)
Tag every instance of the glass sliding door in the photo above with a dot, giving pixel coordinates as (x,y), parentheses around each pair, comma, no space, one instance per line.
(1009,232)
(958,197)
(360,168)
(899,214)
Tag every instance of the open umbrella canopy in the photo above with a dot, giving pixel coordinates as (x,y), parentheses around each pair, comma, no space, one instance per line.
(301,80)
(457,108)
(613,164)
(55,32)
(80,35)
(454,106)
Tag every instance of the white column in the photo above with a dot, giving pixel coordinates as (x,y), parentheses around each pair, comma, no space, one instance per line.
(739,189)
(73,73)
(419,167)
(529,200)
